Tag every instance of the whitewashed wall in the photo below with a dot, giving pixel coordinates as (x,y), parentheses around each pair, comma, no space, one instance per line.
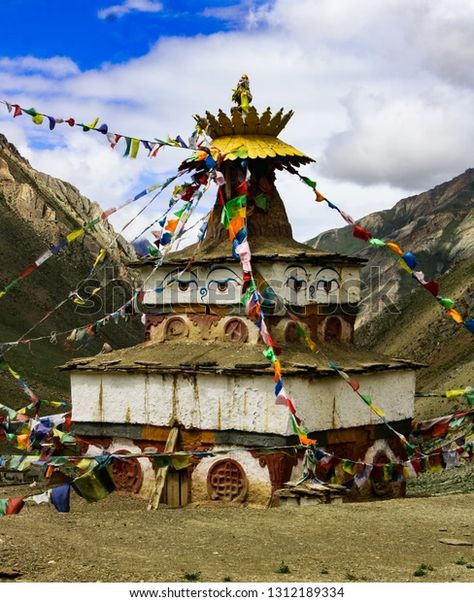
(246,403)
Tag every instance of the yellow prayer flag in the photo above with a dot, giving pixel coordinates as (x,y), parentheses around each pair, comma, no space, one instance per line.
(311,344)
(406,267)
(92,125)
(454,393)
(100,257)
(13,373)
(74,234)
(85,463)
(135,147)
(377,410)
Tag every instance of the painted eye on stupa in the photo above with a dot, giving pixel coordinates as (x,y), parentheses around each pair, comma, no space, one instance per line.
(222,279)
(187,285)
(296,284)
(326,281)
(296,278)
(222,286)
(184,281)
(327,285)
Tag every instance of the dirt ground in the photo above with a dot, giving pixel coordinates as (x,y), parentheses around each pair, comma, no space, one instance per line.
(116,539)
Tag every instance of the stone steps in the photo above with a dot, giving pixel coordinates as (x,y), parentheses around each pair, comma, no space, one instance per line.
(309,493)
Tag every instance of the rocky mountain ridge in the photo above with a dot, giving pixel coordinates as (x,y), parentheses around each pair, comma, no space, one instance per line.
(36,211)
(437,226)
(399,317)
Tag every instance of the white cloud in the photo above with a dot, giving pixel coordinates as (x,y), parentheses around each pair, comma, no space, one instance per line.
(446,42)
(56,66)
(128,6)
(245,14)
(384,112)
(411,142)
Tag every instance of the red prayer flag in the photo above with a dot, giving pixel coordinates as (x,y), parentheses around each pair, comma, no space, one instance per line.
(15,504)
(242,188)
(432,287)
(27,271)
(361,233)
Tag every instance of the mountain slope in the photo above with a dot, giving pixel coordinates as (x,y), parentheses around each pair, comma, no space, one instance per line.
(437,226)
(399,317)
(37,210)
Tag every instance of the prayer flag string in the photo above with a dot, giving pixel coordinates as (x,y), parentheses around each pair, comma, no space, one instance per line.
(132,143)
(234,219)
(405,259)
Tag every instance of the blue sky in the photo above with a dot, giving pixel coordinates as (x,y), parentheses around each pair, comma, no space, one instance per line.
(48,28)
(382,91)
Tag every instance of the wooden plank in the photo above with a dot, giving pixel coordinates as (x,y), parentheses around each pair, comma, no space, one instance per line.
(161,473)
(172,488)
(183,487)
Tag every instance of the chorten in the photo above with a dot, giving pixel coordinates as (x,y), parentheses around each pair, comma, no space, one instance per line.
(201,366)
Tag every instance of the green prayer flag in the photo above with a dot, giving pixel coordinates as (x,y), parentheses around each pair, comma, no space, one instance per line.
(3,506)
(245,297)
(261,201)
(180,212)
(92,223)
(366,398)
(309,182)
(12,284)
(300,330)
(376,242)
(128,142)
(231,208)
(445,302)
(269,354)
(294,424)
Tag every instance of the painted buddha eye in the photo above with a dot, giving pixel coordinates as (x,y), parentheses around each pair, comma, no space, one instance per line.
(183,281)
(222,279)
(327,285)
(222,286)
(187,285)
(296,284)
(326,281)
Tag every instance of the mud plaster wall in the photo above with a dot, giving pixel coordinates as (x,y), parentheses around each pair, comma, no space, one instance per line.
(241,402)
(259,484)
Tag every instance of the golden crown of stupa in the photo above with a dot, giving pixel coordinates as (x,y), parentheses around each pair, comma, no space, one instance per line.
(247,134)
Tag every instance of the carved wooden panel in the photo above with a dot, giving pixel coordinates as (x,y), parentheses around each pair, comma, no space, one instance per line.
(176,328)
(236,331)
(227,481)
(127,473)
